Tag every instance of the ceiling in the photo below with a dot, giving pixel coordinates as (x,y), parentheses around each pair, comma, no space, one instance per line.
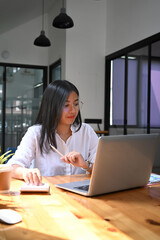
(16,12)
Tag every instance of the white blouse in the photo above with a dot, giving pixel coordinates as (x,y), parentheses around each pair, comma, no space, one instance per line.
(28,152)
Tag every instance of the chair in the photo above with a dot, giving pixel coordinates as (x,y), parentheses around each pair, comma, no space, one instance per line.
(12,150)
(96,121)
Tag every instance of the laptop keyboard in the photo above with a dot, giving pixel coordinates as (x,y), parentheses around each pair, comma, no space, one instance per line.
(84,187)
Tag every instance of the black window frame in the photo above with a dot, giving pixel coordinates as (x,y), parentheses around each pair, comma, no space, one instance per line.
(16,65)
(53,66)
(124,52)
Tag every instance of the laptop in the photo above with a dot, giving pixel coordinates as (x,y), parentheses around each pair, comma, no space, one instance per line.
(122,162)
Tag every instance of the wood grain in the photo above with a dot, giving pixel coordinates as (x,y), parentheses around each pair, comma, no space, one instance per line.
(135,212)
(54,216)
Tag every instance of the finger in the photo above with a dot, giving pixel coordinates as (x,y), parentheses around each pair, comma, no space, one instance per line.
(26,178)
(66,160)
(40,178)
(30,177)
(63,159)
(37,178)
(70,160)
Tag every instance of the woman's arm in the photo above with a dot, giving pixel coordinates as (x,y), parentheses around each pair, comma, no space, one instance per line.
(30,176)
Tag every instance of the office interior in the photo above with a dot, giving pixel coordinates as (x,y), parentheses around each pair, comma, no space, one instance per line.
(101,28)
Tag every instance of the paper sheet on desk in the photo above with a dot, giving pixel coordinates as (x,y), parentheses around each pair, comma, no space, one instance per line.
(34,188)
(154,178)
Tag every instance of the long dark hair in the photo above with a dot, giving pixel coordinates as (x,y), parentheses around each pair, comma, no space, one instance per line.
(50,111)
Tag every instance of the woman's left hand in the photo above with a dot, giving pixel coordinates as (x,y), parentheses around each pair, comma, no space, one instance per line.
(75,159)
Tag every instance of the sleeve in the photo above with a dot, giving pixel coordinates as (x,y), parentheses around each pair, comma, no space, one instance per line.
(25,152)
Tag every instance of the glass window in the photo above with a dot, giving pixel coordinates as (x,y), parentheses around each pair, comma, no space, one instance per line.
(132,91)
(23,92)
(134,85)
(137,94)
(155,86)
(117,95)
(24,89)
(1,100)
(55,71)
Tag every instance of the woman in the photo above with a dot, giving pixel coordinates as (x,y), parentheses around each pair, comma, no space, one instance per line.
(58,124)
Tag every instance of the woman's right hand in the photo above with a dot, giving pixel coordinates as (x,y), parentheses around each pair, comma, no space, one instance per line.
(32,176)
(29,175)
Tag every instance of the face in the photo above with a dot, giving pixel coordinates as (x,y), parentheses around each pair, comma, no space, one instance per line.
(70,109)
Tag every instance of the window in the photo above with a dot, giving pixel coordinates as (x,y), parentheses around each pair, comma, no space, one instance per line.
(132,101)
(117,97)
(55,71)
(21,90)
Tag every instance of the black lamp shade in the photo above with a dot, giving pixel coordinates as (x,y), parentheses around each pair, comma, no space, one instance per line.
(63,20)
(42,40)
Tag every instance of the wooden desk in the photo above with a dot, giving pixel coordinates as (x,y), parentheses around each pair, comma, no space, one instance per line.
(65,215)
(53,216)
(135,212)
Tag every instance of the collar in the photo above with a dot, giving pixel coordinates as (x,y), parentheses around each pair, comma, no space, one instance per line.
(73,128)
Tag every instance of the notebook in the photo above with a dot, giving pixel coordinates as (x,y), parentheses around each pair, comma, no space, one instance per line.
(122,162)
(34,188)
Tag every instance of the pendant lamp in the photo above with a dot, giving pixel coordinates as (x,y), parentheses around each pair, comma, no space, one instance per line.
(63,21)
(42,40)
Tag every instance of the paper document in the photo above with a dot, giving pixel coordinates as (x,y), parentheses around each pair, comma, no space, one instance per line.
(33,188)
(154,178)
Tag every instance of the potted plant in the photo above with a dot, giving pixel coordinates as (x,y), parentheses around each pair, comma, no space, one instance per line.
(5,172)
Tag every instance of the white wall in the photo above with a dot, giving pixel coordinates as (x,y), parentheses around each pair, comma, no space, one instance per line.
(129,21)
(101,27)
(19,43)
(85,53)
(58,39)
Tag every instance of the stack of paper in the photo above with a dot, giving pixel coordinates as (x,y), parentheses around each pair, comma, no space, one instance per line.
(34,188)
(154,178)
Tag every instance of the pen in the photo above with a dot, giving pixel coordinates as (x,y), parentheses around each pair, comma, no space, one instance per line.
(55,149)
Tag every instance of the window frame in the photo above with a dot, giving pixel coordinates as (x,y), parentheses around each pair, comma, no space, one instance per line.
(5,66)
(124,52)
(54,66)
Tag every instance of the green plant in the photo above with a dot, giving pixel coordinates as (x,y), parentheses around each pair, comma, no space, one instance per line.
(3,157)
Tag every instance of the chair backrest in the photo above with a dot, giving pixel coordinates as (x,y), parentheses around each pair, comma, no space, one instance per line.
(96,121)
(12,150)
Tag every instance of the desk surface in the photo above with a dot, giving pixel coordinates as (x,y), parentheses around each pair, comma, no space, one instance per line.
(132,214)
